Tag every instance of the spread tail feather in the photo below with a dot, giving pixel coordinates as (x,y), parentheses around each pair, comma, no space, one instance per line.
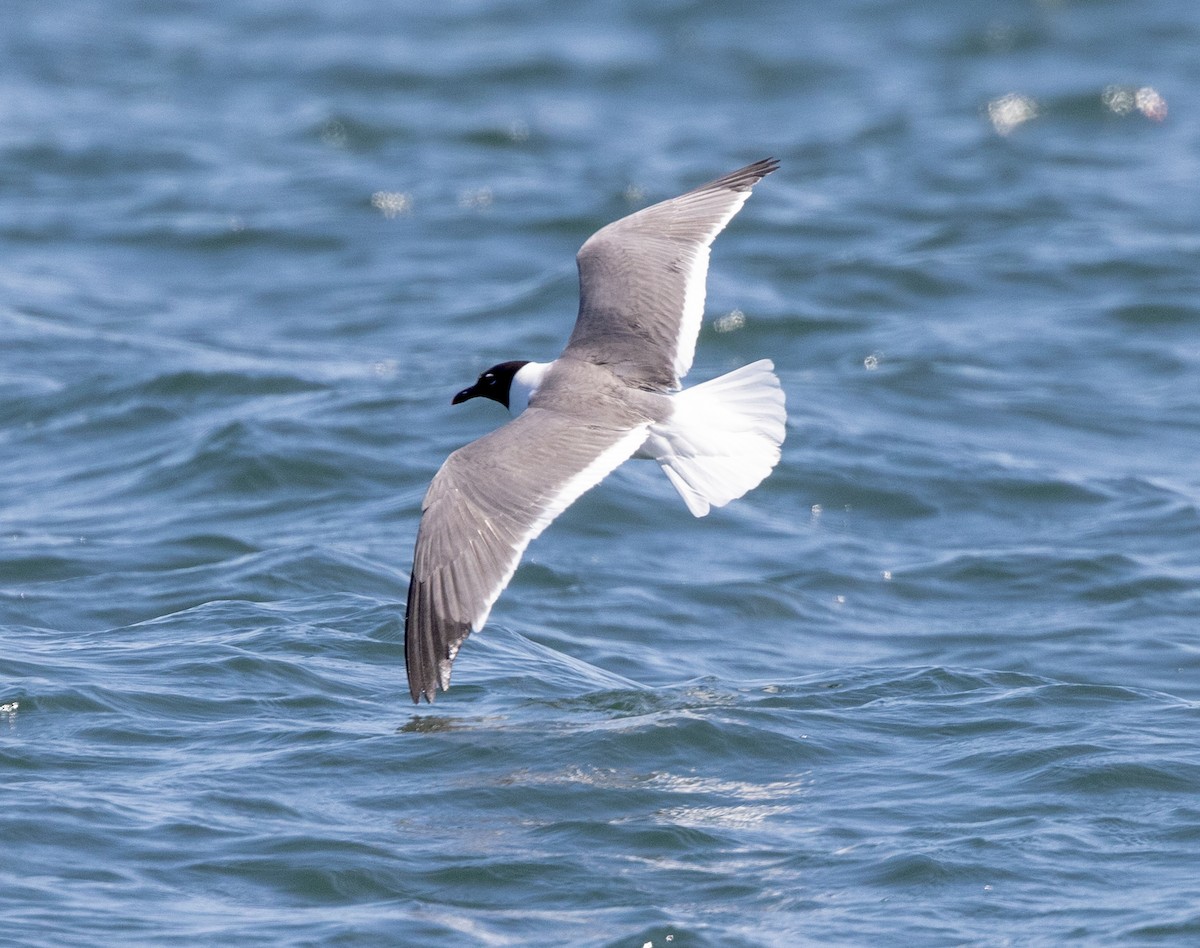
(723,438)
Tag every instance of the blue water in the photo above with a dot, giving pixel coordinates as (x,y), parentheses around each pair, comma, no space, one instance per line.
(936,682)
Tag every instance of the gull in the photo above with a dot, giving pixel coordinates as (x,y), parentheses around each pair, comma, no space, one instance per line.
(613,393)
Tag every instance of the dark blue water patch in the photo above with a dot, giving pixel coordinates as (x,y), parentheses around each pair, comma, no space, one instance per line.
(1188,926)
(1156,314)
(1017,572)
(98,586)
(237,459)
(230,235)
(55,161)
(90,406)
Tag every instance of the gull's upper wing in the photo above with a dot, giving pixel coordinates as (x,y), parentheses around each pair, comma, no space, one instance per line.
(642,281)
(487,502)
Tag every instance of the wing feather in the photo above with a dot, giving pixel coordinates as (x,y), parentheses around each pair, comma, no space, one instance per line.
(488,501)
(642,281)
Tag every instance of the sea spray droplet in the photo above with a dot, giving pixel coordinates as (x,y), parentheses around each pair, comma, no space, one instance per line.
(1010,111)
(730,322)
(1150,104)
(391,203)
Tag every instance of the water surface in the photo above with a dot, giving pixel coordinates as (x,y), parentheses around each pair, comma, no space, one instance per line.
(935,682)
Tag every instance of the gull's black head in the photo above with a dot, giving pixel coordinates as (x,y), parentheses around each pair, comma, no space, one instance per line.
(495,384)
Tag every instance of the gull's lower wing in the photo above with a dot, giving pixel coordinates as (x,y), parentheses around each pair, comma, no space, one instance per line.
(488,501)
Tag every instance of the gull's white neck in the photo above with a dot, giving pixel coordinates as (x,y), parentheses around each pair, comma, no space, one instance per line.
(524,384)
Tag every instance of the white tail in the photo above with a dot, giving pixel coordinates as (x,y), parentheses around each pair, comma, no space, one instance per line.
(723,438)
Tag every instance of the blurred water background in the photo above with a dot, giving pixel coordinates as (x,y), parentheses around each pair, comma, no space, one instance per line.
(937,681)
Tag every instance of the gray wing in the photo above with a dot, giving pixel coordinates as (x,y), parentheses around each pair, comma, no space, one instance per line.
(484,506)
(642,281)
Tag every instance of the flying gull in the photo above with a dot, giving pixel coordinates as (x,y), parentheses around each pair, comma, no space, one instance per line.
(613,393)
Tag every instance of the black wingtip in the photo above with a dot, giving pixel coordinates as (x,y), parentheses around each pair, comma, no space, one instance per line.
(751,174)
(422,680)
(418,691)
(743,179)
